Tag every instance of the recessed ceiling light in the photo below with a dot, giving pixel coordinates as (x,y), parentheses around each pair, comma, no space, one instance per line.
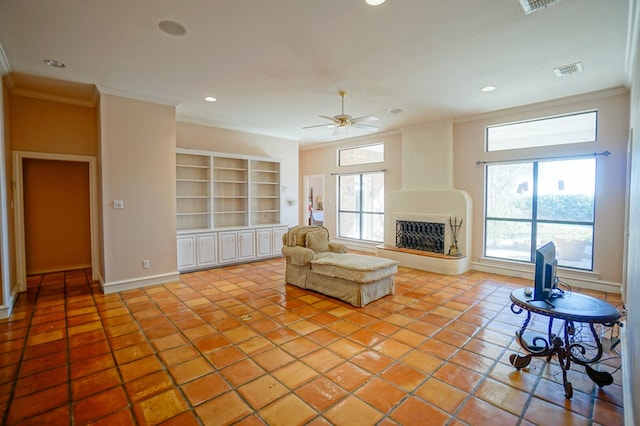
(210,99)
(374,2)
(394,111)
(488,88)
(54,63)
(172,27)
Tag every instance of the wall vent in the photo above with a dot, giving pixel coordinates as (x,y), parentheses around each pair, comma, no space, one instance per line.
(531,6)
(568,69)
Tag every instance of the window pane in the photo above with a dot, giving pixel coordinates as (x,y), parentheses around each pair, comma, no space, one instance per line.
(573,243)
(566,129)
(566,190)
(373,227)
(349,225)
(373,192)
(361,155)
(350,192)
(508,240)
(509,191)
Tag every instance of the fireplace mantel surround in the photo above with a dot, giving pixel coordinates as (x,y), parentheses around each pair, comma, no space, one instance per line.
(428,195)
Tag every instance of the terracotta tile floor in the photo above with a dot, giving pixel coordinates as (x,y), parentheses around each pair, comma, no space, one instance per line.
(237,346)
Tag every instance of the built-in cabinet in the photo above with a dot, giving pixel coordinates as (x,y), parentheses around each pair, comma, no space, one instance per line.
(228,209)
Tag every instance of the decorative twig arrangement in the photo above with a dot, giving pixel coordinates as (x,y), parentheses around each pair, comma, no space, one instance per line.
(455,228)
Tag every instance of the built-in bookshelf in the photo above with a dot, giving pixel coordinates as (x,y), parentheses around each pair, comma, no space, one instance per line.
(230,191)
(228,209)
(219,191)
(193,177)
(265,192)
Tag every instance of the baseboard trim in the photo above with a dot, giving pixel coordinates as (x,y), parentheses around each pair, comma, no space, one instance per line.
(5,311)
(123,285)
(584,280)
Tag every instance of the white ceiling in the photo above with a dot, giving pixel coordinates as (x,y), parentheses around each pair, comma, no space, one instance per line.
(275,65)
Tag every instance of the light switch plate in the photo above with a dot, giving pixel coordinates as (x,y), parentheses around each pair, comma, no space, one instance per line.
(118,204)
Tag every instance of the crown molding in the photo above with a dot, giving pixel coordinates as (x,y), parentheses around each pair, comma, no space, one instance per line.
(137,96)
(36,94)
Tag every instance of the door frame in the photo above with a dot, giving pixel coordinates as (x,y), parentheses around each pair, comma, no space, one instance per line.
(18,177)
(307,186)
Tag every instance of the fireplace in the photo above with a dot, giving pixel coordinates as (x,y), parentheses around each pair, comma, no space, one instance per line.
(423,236)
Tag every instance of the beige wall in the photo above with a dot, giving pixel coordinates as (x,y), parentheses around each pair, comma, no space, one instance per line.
(322,160)
(194,136)
(40,125)
(613,113)
(137,165)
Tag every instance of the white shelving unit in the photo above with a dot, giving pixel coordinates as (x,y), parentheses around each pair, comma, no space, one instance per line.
(193,177)
(228,209)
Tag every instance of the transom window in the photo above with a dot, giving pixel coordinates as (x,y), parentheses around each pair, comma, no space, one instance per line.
(559,130)
(361,155)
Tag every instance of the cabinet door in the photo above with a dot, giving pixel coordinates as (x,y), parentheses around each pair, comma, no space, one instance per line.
(228,246)
(278,233)
(186,252)
(264,246)
(207,247)
(246,243)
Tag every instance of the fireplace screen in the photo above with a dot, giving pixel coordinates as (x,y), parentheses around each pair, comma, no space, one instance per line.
(424,236)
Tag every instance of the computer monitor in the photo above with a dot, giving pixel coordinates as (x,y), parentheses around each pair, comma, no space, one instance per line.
(545,272)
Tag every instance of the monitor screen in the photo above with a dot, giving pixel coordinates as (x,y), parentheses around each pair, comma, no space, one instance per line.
(545,271)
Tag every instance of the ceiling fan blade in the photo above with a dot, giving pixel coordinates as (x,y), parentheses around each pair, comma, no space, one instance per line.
(328,125)
(329,118)
(365,118)
(364,126)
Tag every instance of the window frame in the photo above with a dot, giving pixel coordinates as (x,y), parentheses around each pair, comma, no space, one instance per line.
(360,212)
(533,220)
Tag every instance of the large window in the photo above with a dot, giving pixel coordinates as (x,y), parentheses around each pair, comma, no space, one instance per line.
(361,206)
(531,203)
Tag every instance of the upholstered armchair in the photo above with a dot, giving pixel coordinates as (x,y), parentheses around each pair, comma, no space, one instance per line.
(301,245)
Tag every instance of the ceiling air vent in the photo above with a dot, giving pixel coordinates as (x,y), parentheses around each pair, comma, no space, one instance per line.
(568,69)
(531,6)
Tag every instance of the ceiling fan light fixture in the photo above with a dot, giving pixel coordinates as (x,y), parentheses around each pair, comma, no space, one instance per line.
(210,99)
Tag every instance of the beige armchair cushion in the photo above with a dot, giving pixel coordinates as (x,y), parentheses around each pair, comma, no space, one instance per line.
(317,241)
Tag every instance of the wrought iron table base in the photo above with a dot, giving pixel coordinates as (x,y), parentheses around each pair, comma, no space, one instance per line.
(563,347)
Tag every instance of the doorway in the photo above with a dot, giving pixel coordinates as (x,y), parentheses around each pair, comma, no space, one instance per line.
(314,197)
(55,214)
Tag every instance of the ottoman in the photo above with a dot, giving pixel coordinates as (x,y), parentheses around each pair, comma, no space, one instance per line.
(354,278)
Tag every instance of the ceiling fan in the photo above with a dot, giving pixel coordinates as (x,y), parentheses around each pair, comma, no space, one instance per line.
(345,121)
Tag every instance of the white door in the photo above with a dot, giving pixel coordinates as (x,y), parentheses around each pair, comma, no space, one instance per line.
(186,252)
(228,246)
(278,233)
(246,240)
(207,249)
(264,242)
